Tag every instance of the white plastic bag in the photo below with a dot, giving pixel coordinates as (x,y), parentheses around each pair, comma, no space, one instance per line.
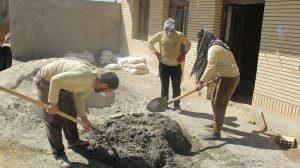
(141,66)
(135,60)
(136,66)
(107,52)
(85,55)
(113,67)
(137,71)
(122,61)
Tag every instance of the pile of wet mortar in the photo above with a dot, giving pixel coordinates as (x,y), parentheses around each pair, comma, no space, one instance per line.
(138,140)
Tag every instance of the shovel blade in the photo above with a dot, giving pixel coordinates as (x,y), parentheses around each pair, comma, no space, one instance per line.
(158,104)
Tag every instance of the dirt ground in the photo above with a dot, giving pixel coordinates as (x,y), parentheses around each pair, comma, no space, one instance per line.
(141,138)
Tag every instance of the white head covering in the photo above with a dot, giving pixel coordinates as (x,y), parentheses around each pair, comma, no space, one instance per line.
(169,26)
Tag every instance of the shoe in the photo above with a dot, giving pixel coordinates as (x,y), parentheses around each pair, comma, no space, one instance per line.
(63,162)
(178,110)
(79,144)
(210,125)
(212,136)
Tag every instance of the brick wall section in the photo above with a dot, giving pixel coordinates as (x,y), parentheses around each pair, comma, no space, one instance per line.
(203,13)
(165,11)
(130,45)
(135,47)
(277,86)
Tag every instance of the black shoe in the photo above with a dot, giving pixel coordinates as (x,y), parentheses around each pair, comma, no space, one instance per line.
(79,144)
(211,125)
(178,109)
(63,162)
(212,136)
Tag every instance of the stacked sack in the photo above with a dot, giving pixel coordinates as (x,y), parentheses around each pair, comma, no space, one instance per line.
(106,57)
(133,65)
(81,55)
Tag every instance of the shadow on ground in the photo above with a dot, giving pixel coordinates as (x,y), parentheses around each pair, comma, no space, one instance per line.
(228,120)
(254,139)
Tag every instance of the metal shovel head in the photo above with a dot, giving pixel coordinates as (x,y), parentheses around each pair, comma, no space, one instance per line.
(158,104)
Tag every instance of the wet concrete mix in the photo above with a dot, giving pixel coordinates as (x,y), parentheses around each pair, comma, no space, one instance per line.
(137,140)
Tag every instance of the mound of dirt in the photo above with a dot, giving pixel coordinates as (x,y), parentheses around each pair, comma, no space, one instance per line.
(139,140)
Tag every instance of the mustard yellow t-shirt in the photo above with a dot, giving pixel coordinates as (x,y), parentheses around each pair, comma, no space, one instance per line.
(170,46)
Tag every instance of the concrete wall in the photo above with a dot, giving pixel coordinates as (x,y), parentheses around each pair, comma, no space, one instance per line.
(44,29)
(3,4)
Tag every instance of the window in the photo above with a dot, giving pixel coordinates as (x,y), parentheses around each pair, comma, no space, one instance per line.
(143,20)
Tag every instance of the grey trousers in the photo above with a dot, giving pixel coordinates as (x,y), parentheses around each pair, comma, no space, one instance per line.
(55,123)
(222,92)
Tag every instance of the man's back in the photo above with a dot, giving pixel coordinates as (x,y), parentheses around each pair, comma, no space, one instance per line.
(62,66)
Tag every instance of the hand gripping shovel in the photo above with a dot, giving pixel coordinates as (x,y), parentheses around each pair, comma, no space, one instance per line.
(45,106)
(160,104)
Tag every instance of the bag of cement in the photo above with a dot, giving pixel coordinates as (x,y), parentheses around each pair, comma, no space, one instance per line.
(122,61)
(82,55)
(115,58)
(135,60)
(70,54)
(107,53)
(113,67)
(105,59)
(85,55)
(136,66)
(137,71)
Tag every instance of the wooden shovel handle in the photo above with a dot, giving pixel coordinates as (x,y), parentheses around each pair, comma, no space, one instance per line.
(190,92)
(40,104)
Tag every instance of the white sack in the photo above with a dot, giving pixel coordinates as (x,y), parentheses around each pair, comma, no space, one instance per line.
(135,60)
(136,66)
(122,61)
(107,52)
(137,71)
(113,67)
(82,55)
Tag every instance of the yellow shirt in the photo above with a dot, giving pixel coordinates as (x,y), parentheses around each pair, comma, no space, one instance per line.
(71,75)
(170,46)
(220,63)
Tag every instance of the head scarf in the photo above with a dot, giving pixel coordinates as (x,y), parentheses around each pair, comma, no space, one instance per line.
(169,26)
(202,48)
(208,40)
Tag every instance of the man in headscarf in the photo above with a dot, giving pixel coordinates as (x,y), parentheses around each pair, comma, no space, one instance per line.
(170,58)
(216,59)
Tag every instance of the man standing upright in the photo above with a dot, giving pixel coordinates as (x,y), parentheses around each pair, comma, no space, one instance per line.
(65,85)
(170,58)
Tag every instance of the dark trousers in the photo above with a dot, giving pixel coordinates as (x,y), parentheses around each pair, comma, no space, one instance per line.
(174,72)
(55,123)
(222,92)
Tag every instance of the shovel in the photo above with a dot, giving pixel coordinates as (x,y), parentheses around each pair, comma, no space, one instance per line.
(45,106)
(161,104)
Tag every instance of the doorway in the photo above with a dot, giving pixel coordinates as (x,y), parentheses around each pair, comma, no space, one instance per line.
(179,11)
(242,31)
